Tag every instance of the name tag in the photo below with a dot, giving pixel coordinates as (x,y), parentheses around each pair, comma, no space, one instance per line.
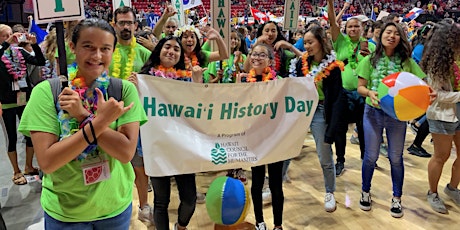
(96,172)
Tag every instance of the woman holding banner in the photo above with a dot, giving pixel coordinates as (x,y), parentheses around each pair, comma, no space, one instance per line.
(167,61)
(261,60)
(320,63)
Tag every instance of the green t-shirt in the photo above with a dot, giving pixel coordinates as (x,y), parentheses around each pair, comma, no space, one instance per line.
(345,49)
(366,71)
(227,70)
(319,85)
(65,196)
(69,55)
(142,55)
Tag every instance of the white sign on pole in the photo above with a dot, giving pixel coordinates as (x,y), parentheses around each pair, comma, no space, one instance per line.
(291,14)
(58,10)
(120,3)
(179,6)
(220,15)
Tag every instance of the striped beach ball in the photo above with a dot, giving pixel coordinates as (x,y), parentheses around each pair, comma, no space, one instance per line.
(227,201)
(403,96)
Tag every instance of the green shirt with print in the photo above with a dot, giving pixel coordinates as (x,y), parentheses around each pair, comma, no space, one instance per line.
(366,71)
(345,48)
(65,197)
(141,56)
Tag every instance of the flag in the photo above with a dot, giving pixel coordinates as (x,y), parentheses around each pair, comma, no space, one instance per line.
(258,15)
(413,14)
(119,3)
(324,12)
(373,16)
(191,3)
(204,21)
(40,34)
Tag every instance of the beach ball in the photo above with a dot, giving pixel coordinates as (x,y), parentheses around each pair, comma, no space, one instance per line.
(403,96)
(227,201)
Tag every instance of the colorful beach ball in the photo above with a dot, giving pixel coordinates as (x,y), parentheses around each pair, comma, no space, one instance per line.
(227,201)
(403,96)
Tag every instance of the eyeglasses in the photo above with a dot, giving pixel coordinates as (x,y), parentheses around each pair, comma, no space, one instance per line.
(124,23)
(259,55)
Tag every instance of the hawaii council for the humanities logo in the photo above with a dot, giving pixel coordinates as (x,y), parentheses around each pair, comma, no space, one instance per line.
(218,155)
(230,152)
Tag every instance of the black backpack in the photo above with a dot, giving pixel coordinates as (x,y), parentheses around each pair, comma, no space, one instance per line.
(115,88)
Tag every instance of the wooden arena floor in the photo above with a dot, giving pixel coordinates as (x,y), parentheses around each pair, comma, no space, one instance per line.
(304,196)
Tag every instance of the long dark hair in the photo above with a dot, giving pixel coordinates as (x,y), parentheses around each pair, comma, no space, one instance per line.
(440,52)
(280,36)
(154,59)
(197,50)
(93,22)
(403,48)
(282,71)
(243,48)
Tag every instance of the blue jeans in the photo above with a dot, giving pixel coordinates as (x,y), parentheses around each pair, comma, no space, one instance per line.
(324,150)
(120,222)
(186,186)
(374,121)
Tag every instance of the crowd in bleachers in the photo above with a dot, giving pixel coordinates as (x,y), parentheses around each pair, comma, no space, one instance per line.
(313,8)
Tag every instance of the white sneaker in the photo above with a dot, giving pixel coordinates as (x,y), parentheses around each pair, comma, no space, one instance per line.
(261,226)
(266,195)
(145,214)
(176,226)
(436,202)
(329,202)
(453,194)
(200,198)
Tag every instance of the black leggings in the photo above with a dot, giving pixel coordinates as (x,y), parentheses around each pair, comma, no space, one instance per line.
(275,181)
(422,133)
(9,117)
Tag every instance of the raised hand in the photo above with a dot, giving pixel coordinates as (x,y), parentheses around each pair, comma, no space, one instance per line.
(210,33)
(70,101)
(111,109)
(197,73)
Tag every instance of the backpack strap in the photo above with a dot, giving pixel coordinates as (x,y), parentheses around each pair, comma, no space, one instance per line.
(56,89)
(115,89)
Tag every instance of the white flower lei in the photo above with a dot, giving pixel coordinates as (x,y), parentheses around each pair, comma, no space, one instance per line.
(317,69)
(191,28)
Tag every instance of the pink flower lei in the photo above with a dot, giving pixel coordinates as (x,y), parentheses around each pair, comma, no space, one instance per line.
(14,63)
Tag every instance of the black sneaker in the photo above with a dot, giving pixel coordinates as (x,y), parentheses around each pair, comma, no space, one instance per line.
(396,208)
(339,168)
(418,151)
(365,203)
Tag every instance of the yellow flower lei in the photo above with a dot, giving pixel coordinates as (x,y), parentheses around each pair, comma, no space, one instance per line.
(116,70)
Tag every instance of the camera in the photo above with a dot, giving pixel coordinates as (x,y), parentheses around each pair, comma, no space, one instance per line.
(144,34)
(22,38)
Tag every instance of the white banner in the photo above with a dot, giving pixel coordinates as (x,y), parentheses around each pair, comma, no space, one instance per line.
(197,127)
(191,3)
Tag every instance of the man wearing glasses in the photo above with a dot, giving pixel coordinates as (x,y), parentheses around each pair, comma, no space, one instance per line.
(128,59)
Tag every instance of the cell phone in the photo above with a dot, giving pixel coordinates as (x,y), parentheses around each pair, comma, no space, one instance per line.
(22,38)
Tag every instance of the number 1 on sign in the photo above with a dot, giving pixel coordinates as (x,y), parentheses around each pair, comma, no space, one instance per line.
(59,7)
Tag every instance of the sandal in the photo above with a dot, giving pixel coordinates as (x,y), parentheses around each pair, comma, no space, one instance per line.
(34,171)
(19,179)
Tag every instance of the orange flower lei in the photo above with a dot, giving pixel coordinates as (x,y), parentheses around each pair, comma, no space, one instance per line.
(268,75)
(170,72)
(322,73)
(189,64)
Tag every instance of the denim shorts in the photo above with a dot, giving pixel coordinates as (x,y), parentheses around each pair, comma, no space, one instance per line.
(443,127)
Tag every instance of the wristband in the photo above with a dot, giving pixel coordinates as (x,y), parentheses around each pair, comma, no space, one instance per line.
(85,136)
(89,118)
(93,133)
